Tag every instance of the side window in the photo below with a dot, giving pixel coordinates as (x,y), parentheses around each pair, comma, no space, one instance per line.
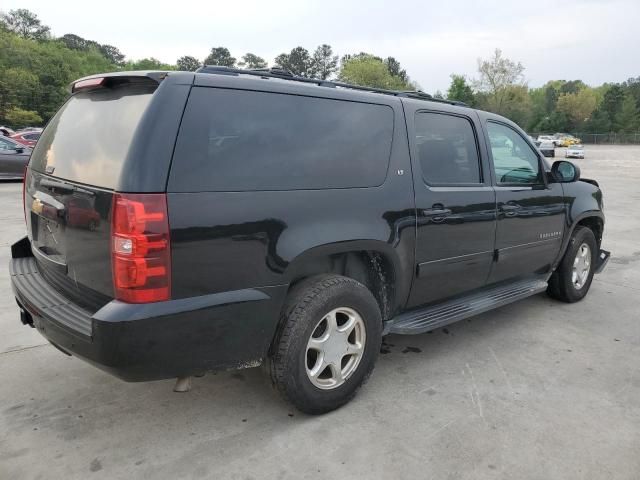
(4,145)
(514,161)
(447,149)
(234,140)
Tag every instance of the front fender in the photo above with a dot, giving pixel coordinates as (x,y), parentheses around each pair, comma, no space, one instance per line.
(582,200)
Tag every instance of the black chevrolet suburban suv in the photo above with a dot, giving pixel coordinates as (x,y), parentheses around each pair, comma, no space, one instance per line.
(179,223)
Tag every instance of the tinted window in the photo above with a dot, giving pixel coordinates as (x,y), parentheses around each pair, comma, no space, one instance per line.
(447,149)
(233,140)
(514,161)
(88,139)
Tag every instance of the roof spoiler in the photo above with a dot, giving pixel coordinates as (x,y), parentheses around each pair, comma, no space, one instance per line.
(108,80)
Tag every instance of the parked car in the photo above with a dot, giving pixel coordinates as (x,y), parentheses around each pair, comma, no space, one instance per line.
(546,138)
(565,140)
(251,217)
(574,151)
(13,159)
(6,131)
(570,140)
(547,148)
(28,137)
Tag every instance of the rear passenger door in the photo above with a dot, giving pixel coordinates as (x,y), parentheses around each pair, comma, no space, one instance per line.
(455,204)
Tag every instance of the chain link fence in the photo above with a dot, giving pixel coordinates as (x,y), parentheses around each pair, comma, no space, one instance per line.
(610,138)
(603,138)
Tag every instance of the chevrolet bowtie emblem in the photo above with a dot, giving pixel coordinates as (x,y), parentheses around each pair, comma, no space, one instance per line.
(36,206)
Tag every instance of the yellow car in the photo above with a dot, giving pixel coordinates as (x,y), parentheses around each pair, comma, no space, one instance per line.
(568,141)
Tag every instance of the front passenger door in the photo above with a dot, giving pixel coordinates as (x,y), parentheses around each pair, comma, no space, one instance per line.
(531,213)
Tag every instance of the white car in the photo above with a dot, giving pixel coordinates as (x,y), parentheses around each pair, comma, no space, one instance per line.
(574,151)
(546,138)
(547,147)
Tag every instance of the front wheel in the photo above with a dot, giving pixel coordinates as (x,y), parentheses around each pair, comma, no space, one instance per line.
(328,343)
(572,279)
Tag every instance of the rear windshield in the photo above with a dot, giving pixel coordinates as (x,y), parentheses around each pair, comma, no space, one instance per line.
(88,139)
(232,140)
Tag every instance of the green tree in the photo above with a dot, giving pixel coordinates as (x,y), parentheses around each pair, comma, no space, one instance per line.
(188,64)
(34,75)
(572,86)
(24,23)
(395,69)
(599,122)
(112,54)
(324,63)
(496,75)
(148,64)
(517,104)
(74,42)
(632,87)
(18,88)
(578,107)
(550,98)
(612,101)
(252,61)
(19,118)
(349,56)
(556,122)
(460,90)
(220,56)
(298,62)
(628,118)
(370,71)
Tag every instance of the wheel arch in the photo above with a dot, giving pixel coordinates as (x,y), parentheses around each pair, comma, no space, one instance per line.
(373,263)
(593,220)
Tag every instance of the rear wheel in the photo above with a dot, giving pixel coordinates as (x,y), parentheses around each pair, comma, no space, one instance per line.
(328,344)
(572,279)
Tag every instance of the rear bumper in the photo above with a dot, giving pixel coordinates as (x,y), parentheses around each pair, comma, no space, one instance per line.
(153,341)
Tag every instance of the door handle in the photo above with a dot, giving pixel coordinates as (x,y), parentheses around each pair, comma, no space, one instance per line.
(510,209)
(437,212)
(430,212)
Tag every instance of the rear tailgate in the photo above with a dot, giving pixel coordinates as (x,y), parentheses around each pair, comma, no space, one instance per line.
(69,186)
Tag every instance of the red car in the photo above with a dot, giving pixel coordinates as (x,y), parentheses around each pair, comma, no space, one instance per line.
(28,138)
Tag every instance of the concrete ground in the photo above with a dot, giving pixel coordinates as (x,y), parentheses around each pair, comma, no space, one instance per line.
(534,390)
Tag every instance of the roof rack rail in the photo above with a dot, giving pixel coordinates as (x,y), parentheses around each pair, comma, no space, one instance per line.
(281,73)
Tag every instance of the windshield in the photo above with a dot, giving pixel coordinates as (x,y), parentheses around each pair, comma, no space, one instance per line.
(88,139)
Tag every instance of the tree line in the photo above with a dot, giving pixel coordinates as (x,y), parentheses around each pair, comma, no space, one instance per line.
(36,68)
(557,106)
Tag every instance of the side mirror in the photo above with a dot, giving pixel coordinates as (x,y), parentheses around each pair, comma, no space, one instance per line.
(19,149)
(565,172)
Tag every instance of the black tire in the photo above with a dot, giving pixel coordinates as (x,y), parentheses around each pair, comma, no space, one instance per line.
(306,305)
(561,286)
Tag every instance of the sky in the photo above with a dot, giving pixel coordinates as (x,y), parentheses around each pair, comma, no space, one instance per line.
(593,40)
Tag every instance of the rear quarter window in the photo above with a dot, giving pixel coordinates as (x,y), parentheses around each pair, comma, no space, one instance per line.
(234,140)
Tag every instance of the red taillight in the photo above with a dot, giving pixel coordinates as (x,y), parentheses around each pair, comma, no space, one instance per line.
(140,247)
